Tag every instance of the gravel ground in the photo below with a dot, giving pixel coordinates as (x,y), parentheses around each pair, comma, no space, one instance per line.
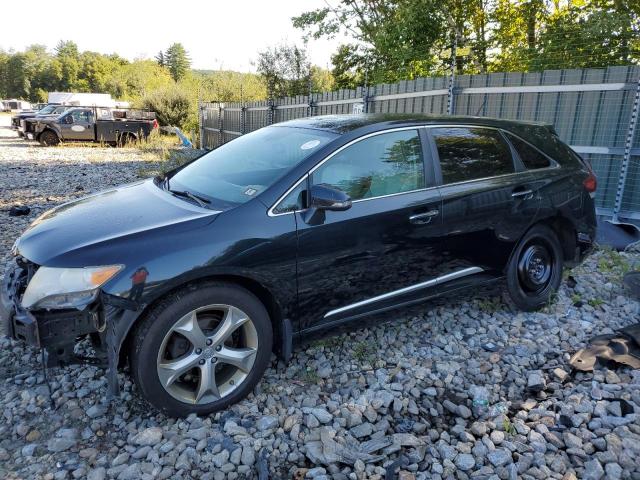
(460,389)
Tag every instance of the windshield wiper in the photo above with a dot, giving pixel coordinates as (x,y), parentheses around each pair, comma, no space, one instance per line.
(201,201)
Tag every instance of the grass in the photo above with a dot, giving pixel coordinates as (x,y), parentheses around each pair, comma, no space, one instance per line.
(310,376)
(613,264)
(364,352)
(595,302)
(508,427)
(490,305)
(163,148)
(329,343)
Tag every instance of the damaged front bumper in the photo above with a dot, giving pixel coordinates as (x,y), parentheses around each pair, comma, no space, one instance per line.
(54,330)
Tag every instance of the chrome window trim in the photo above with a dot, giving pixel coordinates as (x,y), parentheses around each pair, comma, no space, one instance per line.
(429,283)
(271,213)
(554,166)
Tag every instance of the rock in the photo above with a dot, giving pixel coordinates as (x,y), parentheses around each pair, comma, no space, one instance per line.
(463,411)
(268,422)
(221,458)
(96,411)
(315,472)
(592,470)
(571,440)
(132,472)
(98,473)
(57,445)
(560,374)
(499,457)
(465,461)
(28,450)
(613,471)
(248,456)
(536,381)
(320,413)
(362,430)
(149,436)
(497,437)
(479,429)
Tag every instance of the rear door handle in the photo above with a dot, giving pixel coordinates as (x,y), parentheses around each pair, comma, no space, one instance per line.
(422,218)
(521,193)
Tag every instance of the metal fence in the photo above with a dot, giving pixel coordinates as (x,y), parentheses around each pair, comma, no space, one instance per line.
(593,110)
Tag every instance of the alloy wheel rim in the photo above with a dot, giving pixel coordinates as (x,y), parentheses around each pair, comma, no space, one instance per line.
(535,268)
(207,354)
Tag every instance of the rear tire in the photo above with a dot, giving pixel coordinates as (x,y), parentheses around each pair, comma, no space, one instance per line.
(125,139)
(48,139)
(534,272)
(201,349)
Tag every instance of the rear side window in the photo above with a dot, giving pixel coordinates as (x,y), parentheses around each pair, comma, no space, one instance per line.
(470,153)
(530,156)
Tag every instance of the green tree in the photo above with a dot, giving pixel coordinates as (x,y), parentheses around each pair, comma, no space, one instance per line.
(160,59)
(287,71)
(177,60)
(172,106)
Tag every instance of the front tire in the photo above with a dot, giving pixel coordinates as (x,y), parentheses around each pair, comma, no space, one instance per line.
(49,139)
(201,349)
(534,272)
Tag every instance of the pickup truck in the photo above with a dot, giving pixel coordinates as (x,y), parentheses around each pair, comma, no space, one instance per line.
(94,124)
(23,122)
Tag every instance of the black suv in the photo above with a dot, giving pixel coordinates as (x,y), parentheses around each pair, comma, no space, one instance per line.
(195,277)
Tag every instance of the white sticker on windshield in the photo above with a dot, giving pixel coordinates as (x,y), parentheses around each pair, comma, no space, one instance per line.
(310,144)
(250,191)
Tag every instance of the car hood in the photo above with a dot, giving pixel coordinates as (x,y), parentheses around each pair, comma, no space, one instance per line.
(90,222)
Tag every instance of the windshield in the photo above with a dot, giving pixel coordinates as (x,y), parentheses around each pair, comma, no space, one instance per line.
(47,109)
(239,170)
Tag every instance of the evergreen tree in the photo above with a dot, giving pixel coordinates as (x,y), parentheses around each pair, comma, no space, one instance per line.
(177,59)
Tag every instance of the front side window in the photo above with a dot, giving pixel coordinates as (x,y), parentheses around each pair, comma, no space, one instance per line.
(238,171)
(379,165)
(81,116)
(468,153)
(530,156)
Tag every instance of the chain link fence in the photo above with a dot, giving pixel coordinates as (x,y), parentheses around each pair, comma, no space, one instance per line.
(593,110)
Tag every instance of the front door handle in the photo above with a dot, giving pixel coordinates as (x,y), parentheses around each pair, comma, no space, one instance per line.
(522,193)
(422,218)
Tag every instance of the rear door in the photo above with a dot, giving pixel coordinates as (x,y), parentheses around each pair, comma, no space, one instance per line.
(488,201)
(384,250)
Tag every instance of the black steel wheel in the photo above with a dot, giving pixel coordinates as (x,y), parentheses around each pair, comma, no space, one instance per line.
(534,272)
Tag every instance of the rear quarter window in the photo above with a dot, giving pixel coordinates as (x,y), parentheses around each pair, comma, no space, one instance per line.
(531,157)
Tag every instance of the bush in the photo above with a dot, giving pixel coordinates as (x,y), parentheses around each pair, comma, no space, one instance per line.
(172,106)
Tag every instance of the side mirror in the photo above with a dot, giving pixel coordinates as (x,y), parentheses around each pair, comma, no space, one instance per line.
(68,120)
(325,197)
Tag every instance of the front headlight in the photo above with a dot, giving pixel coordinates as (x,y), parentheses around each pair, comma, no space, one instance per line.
(66,287)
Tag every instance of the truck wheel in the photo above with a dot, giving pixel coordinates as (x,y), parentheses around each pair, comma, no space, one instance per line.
(125,139)
(49,139)
(201,349)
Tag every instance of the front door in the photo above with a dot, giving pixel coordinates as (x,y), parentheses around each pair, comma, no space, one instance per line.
(381,252)
(78,124)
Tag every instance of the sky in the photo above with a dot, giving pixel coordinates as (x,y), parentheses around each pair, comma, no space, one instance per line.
(217,34)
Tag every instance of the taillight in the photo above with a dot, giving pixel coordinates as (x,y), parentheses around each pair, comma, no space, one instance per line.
(155,123)
(590,183)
